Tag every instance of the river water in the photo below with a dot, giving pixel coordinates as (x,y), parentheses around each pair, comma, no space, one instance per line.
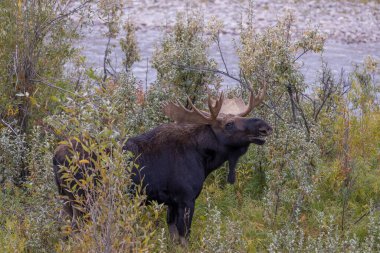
(352,31)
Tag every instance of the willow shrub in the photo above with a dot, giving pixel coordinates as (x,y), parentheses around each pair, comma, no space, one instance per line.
(28,214)
(116,218)
(35,43)
(182,49)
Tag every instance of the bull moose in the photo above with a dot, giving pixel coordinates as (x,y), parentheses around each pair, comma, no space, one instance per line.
(177,157)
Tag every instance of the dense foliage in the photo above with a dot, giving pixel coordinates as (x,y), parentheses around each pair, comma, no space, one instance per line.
(314,186)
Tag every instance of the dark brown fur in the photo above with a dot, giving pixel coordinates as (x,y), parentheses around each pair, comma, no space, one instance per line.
(176,159)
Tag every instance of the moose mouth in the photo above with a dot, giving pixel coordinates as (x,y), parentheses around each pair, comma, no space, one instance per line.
(259,140)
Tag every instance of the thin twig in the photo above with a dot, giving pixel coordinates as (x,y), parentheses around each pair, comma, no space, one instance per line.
(288,26)
(304,52)
(292,102)
(209,70)
(361,217)
(9,126)
(275,112)
(221,53)
(77,83)
(306,123)
(15,61)
(62,16)
(56,87)
(114,72)
(106,52)
(146,75)
(306,96)
(245,83)
(366,213)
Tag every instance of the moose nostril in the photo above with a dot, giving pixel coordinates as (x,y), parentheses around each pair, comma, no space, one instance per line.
(265,131)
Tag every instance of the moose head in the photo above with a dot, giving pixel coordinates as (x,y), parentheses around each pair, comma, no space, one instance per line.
(227,119)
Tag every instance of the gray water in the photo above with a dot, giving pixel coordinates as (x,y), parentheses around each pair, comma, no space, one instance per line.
(339,56)
(352,29)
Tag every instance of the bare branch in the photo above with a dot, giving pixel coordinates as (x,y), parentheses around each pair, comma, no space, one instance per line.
(203,69)
(328,90)
(245,83)
(306,123)
(8,125)
(221,53)
(55,87)
(304,52)
(64,15)
(306,96)
(77,83)
(146,74)
(292,102)
(105,59)
(274,110)
(373,208)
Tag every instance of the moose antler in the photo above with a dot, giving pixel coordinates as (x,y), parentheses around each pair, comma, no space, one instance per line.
(236,106)
(178,113)
(215,110)
(254,101)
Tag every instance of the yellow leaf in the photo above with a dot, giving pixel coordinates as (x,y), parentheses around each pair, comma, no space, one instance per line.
(54,99)
(33,101)
(84,161)
(58,131)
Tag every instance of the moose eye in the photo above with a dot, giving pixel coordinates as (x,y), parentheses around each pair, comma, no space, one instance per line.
(229,126)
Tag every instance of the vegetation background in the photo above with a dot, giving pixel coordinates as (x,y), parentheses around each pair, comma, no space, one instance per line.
(313,187)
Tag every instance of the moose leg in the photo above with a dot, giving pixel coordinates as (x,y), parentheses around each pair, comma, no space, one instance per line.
(66,211)
(184,218)
(171,220)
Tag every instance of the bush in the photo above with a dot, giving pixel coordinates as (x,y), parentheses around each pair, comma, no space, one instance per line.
(116,218)
(312,187)
(180,50)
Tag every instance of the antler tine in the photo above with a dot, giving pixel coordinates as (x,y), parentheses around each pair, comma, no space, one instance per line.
(178,113)
(214,110)
(196,109)
(254,101)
